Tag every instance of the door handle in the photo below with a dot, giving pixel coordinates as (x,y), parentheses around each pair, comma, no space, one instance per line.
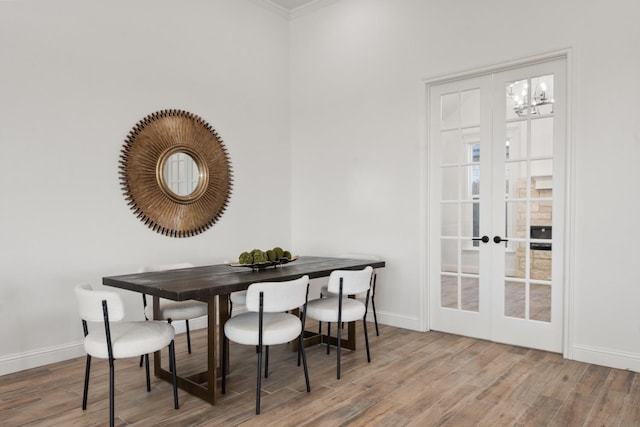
(498,239)
(485,239)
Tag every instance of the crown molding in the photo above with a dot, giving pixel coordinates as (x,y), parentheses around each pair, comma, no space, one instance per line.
(276,8)
(311,7)
(295,12)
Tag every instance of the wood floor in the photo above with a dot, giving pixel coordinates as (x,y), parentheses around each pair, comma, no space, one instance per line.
(414,379)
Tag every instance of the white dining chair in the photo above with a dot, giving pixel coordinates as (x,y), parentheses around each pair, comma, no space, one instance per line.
(111,338)
(336,308)
(236,299)
(175,310)
(266,323)
(374,277)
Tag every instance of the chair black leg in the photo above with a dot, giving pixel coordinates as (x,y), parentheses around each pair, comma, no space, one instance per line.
(304,361)
(366,337)
(328,336)
(188,337)
(169,320)
(375,317)
(339,346)
(86,383)
(172,357)
(141,360)
(259,385)
(266,362)
(320,323)
(146,366)
(111,394)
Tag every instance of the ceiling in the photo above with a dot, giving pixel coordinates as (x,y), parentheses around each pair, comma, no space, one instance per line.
(292,4)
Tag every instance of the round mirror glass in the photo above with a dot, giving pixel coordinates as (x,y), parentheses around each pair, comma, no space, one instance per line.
(181,174)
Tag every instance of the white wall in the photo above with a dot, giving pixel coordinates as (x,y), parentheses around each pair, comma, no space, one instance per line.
(358,121)
(75,77)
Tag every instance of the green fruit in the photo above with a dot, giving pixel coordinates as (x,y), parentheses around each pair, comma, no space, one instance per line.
(245,258)
(279,252)
(287,254)
(271,255)
(258,256)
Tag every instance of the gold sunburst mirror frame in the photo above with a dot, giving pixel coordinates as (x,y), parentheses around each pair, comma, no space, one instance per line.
(175,173)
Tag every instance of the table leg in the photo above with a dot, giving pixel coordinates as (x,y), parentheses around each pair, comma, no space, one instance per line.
(158,354)
(310,338)
(223,301)
(349,342)
(202,385)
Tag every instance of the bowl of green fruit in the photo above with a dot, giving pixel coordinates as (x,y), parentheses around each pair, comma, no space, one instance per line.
(257,259)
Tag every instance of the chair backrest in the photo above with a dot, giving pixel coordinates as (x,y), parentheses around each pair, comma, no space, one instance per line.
(278,296)
(353,281)
(90,304)
(369,257)
(177,266)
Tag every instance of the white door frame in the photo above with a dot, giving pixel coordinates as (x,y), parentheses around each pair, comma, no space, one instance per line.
(568,259)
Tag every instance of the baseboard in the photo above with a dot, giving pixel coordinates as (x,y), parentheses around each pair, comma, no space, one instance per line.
(47,355)
(384,318)
(396,320)
(40,357)
(607,357)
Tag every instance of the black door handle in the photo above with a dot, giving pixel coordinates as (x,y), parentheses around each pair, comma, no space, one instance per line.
(485,239)
(498,239)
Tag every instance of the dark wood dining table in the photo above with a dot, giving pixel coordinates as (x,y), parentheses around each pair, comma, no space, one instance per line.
(214,283)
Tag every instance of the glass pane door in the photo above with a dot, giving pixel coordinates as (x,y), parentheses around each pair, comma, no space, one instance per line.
(496,160)
(529,143)
(528,197)
(460,166)
(461,131)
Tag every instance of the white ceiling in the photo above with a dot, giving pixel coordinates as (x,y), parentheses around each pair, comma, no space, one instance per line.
(292,4)
(292,9)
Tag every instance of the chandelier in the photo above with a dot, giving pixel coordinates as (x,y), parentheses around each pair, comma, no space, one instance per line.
(518,93)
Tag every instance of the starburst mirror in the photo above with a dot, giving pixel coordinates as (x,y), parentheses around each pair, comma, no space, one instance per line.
(175,173)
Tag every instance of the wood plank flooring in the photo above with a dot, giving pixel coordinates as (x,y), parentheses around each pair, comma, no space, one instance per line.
(414,379)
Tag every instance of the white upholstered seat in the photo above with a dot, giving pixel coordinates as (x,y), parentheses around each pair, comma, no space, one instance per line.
(129,339)
(278,328)
(325,309)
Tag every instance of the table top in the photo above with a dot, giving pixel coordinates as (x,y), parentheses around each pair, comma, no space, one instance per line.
(206,281)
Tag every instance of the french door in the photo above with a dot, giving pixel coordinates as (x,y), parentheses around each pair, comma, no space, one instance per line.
(497,155)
